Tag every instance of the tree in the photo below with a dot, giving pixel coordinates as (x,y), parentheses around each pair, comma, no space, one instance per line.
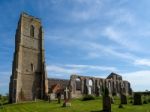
(0,96)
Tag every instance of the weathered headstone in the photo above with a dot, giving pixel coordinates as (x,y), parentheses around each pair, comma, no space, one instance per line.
(49,98)
(145,100)
(112,100)
(53,96)
(59,97)
(106,101)
(137,99)
(66,98)
(106,104)
(123,99)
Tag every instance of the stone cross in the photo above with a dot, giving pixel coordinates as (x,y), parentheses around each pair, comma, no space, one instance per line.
(66,98)
(66,93)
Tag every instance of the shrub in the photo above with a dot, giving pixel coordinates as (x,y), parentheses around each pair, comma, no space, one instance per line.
(131,101)
(120,106)
(144,102)
(149,100)
(88,97)
(3,99)
(0,96)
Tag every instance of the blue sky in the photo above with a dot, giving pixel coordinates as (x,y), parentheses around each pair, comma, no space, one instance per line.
(86,37)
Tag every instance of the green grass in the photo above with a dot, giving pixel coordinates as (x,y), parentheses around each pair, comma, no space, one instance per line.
(77,106)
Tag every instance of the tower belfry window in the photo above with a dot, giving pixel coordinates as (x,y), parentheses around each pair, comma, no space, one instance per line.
(32,67)
(32,31)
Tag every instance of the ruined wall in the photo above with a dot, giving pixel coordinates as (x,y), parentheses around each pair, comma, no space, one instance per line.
(94,86)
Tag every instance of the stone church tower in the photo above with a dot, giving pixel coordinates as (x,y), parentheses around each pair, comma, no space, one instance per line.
(29,79)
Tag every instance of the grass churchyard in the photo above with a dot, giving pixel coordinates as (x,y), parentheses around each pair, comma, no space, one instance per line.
(77,106)
(75,56)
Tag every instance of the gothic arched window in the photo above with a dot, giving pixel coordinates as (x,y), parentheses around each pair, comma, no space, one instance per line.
(78,84)
(32,31)
(90,82)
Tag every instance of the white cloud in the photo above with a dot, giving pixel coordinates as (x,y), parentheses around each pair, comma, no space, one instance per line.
(96,50)
(120,37)
(144,62)
(73,68)
(140,80)
(109,51)
(88,1)
(60,69)
(112,34)
(93,55)
(64,71)
(100,76)
(93,67)
(86,10)
(4,84)
(122,15)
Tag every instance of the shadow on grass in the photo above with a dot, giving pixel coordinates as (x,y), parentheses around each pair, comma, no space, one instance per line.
(97,111)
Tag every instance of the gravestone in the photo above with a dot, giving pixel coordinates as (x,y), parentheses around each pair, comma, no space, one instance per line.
(53,96)
(106,101)
(137,99)
(66,98)
(123,99)
(112,100)
(59,97)
(106,104)
(49,97)
(145,100)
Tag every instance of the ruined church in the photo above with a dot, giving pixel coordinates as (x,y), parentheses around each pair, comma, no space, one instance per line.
(29,79)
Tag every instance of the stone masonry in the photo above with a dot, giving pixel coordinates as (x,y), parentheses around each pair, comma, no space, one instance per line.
(94,86)
(29,79)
